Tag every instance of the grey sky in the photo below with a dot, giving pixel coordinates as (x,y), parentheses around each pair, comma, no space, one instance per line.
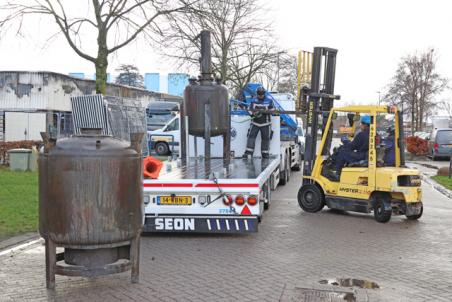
(371,37)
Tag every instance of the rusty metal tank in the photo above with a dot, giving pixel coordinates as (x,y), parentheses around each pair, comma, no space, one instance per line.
(196,96)
(90,190)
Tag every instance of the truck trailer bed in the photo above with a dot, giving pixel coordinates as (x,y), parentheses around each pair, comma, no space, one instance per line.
(198,169)
(189,196)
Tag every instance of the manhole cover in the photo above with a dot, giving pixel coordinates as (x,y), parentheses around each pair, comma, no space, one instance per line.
(349,282)
(317,295)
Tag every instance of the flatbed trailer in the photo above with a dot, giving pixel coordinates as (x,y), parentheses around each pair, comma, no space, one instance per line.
(210,196)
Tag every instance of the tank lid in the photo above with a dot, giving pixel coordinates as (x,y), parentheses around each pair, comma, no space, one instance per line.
(92,145)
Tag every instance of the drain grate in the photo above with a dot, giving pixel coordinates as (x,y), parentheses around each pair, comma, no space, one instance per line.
(349,282)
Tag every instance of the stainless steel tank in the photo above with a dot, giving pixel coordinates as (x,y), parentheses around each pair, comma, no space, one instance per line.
(90,199)
(196,96)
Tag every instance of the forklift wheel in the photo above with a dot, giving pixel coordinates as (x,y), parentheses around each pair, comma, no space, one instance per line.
(380,214)
(310,198)
(415,217)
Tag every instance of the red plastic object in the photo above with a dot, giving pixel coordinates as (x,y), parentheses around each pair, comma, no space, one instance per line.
(151,167)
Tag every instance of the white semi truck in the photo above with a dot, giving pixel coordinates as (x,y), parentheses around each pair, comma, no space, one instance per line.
(211,195)
(166,140)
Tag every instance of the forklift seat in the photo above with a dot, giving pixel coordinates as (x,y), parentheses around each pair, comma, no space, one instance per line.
(361,163)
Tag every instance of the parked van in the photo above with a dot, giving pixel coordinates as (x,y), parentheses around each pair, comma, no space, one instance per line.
(166,139)
(440,143)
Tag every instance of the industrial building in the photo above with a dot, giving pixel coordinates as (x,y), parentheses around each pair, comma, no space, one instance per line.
(33,102)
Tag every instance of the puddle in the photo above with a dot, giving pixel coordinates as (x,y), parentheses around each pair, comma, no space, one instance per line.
(349,282)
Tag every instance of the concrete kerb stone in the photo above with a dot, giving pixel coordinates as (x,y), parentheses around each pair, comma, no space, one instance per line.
(18,240)
(443,190)
(438,187)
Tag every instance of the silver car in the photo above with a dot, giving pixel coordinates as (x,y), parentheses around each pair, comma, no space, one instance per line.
(440,143)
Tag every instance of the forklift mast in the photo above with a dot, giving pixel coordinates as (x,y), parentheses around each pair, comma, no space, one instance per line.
(320,101)
(401,139)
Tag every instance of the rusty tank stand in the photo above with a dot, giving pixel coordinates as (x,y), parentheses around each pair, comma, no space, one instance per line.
(128,259)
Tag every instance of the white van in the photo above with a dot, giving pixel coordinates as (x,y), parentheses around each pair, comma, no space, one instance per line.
(165,140)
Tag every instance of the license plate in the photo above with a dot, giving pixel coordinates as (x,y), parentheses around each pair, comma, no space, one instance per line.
(174,200)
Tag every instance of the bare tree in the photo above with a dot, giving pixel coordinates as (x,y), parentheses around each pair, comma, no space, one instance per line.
(244,68)
(129,75)
(239,38)
(280,73)
(414,87)
(446,107)
(116,23)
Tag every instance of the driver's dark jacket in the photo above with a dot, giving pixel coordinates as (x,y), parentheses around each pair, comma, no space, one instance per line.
(360,143)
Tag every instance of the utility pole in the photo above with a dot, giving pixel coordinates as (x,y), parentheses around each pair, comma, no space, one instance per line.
(379,94)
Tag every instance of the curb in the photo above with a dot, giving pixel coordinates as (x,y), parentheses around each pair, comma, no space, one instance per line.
(426,178)
(18,240)
(437,186)
(429,166)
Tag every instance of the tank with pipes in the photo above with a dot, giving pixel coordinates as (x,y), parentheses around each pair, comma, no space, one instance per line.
(205,111)
(90,203)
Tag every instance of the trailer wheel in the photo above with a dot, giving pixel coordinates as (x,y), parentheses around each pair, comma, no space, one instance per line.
(311,198)
(161,148)
(381,214)
(415,217)
(297,167)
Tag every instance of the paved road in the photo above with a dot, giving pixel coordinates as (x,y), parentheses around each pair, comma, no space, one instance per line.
(409,260)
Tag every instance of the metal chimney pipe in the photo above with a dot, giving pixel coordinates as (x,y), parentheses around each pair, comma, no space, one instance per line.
(206,58)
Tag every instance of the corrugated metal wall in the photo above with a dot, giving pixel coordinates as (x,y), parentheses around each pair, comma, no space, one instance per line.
(48,91)
(2,126)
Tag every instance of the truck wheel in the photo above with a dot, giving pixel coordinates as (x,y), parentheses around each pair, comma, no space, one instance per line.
(380,213)
(310,198)
(289,169)
(161,148)
(415,217)
(268,194)
(284,177)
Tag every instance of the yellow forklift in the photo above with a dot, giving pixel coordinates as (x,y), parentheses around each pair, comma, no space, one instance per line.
(364,186)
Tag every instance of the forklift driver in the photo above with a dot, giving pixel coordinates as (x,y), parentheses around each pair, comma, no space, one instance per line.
(355,150)
(260,109)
